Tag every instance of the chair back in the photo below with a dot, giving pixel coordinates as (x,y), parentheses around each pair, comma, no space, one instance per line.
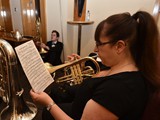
(152,111)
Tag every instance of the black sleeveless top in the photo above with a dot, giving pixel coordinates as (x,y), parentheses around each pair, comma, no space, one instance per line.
(124,94)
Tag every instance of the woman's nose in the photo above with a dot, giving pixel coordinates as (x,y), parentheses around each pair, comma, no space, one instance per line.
(95,49)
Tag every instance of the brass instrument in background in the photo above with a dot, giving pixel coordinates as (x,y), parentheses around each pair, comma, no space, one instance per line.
(17,35)
(74,72)
(13,107)
(39,36)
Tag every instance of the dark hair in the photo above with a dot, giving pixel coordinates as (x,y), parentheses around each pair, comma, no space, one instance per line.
(55,31)
(141,33)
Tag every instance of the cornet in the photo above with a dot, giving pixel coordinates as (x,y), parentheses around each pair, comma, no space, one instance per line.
(74,72)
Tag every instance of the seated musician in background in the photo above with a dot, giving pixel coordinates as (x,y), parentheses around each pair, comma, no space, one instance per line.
(54,48)
(128,45)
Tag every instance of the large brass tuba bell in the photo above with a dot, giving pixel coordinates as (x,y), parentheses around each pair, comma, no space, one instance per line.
(74,72)
(14,107)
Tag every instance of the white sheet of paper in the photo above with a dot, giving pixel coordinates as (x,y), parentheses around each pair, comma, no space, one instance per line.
(33,66)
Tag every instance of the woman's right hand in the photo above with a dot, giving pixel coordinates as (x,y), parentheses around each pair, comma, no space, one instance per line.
(73,57)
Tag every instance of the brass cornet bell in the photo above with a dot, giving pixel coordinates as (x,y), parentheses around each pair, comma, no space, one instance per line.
(42,51)
(74,72)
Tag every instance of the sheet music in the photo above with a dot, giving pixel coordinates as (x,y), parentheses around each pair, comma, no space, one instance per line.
(33,66)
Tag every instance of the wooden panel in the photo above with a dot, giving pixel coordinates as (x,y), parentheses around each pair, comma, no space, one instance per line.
(28,17)
(7,18)
(83,16)
(43,20)
(29,22)
(2,25)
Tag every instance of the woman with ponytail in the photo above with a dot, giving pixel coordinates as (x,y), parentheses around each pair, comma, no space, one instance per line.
(128,44)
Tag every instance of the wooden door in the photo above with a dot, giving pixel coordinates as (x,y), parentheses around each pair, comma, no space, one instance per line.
(2,25)
(28,17)
(43,20)
(7,19)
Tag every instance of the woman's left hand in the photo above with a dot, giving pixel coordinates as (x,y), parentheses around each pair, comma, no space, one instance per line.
(41,98)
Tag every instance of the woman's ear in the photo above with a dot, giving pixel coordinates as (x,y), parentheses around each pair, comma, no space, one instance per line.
(120,46)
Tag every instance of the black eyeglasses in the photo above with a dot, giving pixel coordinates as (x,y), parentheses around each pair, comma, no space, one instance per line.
(100,44)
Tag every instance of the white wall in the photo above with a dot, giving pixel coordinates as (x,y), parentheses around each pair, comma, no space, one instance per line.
(16,15)
(56,17)
(58,12)
(61,11)
(101,9)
